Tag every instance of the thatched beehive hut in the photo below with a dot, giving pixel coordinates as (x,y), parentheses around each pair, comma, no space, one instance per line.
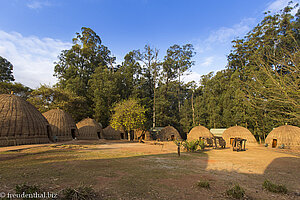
(168,133)
(63,127)
(240,132)
(21,123)
(110,133)
(199,132)
(89,129)
(286,135)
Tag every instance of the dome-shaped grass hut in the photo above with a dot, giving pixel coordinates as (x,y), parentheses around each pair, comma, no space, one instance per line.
(199,132)
(239,132)
(89,129)
(110,133)
(286,135)
(63,127)
(21,123)
(169,133)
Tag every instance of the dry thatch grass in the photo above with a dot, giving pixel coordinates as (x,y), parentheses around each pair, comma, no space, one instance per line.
(238,131)
(110,133)
(88,129)
(199,131)
(20,122)
(169,133)
(286,135)
(62,125)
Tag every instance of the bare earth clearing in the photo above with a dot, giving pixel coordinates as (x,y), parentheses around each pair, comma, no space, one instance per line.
(128,170)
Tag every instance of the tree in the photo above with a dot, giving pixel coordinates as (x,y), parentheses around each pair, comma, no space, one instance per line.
(128,115)
(17,88)
(6,68)
(149,57)
(46,98)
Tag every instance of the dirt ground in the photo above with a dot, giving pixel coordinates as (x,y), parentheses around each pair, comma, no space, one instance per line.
(130,170)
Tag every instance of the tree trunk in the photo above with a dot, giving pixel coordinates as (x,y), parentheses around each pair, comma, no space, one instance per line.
(193,109)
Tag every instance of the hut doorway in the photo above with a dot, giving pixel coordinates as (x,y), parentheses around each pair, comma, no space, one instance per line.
(172,137)
(231,140)
(48,132)
(274,143)
(73,133)
(122,136)
(98,133)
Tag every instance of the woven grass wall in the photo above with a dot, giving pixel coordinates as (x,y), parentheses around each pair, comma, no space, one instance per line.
(20,122)
(241,132)
(199,131)
(287,135)
(111,134)
(61,124)
(88,129)
(166,134)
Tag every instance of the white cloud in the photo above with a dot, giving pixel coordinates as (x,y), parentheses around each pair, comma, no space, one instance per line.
(277,5)
(37,4)
(32,57)
(207,61)
(191,76)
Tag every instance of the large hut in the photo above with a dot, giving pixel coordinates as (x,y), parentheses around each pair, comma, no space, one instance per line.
(169,133)
(239,132)
(63,127)
(199,132)
(286,135)
(110,133)
(89,129)
(21,123)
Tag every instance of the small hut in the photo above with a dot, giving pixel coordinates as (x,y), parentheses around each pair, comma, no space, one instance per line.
(169,133)
(286,135)
(63,127)
(144,135)
(110,133)
(89,129)
(199,132)
(21,123)
(238,132)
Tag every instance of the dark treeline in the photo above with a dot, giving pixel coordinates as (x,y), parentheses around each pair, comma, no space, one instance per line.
(258,89)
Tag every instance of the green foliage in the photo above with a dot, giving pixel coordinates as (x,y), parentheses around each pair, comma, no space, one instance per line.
(268,185)
(17,88)
(6,70)
(201,144)
(236,192)
(203,184)
(190,146)
(128,115)
(80,193)
(46,98)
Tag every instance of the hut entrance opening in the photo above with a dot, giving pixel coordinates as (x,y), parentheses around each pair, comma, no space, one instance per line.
(122,135)
(98,133)
(231,140)
(48,132)
(73,133)
(274,143)
(172,137)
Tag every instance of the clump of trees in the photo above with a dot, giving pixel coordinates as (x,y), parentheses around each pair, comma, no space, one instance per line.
(258,89)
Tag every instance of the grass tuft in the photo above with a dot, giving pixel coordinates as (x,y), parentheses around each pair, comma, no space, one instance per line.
(203,184)
(272,187)
(236,192)
(82,192)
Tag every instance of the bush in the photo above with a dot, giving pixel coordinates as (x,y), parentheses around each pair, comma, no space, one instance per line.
(201,144)
(268,185)
(82,192)
(190,146)
(203,184)
(236,192)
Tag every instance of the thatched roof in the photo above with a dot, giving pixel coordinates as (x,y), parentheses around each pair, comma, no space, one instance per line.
(238,131)
(168,133)
(110,133)
(62,125)
(287,135)
(21,122)
(199,131)
(89,129)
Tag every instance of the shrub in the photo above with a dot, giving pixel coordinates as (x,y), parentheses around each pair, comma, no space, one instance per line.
(236,192)
(203,184)
(268,185)
(82,192)
(28,189)
(190,146)
(201,144)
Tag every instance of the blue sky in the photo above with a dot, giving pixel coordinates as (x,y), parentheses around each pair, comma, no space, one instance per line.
(33,32)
